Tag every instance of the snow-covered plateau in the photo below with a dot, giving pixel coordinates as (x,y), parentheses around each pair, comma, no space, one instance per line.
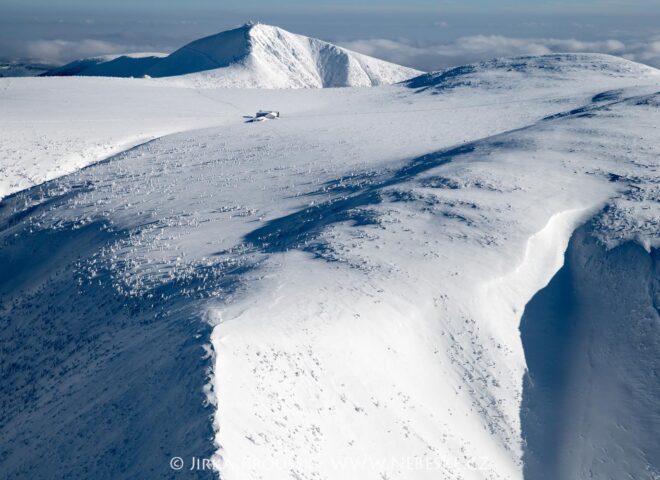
(453,277)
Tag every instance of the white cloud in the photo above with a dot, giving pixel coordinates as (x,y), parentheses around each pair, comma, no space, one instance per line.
(58,51)
(484,47)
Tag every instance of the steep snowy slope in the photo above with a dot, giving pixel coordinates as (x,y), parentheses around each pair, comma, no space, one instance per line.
(591,339)
(253,56)
(268,57)
(364,261)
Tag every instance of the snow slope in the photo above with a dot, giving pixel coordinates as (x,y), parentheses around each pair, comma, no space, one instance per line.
(253,56)
(126,65)
(77,126)
(364,263)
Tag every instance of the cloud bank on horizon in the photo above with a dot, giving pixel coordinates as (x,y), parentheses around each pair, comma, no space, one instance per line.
(463,50)
(476,48)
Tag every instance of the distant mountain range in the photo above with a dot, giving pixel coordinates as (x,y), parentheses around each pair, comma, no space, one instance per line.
(22,69)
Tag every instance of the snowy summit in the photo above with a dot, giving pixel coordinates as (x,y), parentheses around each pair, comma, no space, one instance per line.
(252,56)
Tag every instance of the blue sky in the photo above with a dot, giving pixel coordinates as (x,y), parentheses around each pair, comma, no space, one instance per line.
(595,6)
(427,34)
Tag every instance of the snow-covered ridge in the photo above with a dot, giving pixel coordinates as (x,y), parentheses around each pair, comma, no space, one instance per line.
(123,65)
(253,56)
(508,72)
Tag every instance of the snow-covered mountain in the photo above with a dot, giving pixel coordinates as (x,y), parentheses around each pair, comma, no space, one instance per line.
(253,56)
(451,278)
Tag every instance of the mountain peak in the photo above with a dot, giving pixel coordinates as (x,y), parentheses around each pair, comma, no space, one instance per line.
(256,55)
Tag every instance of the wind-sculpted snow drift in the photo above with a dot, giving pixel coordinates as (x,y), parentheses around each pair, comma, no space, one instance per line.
(591,339)
(338,294)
